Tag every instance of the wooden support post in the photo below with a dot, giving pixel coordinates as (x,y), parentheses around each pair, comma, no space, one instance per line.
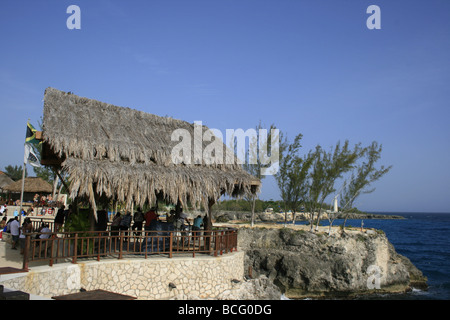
(60,178)
(75,249)
(98,249)
(227,241)
(211,202)
(216,243)
(53,237)
(170,244)
(208,228)
(26,252)
(222,239)
(120,244)
(92,200)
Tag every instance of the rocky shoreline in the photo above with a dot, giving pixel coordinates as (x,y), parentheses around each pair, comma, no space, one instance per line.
(225,216)
(316,265)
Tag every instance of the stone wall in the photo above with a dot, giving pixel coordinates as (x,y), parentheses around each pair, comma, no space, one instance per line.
(200,277)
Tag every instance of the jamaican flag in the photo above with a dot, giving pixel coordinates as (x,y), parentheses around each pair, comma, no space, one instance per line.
(30,156)
(31,135)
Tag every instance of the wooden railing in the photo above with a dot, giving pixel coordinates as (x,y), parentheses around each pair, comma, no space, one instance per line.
(39,221)
(64,246)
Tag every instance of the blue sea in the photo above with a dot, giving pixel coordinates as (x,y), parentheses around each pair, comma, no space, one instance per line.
(425,239)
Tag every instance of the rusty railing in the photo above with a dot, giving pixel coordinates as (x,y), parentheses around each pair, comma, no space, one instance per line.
(71,246)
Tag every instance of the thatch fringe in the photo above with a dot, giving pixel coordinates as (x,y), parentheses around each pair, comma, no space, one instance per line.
(139,183)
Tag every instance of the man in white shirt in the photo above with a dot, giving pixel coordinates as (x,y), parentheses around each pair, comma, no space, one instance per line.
(14,228)
(45,232)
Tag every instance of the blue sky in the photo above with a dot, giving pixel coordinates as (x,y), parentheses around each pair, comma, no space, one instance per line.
(310,67)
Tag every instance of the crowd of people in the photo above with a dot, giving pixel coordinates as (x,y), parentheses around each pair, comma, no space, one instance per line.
(43,201)
(12,226)
(145,221)
(120,222)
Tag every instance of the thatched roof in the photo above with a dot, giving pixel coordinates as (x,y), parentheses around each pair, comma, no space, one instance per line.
(127,154)
(4,180)
(32,184)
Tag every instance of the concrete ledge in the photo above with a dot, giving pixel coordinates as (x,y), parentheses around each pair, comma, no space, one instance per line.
(203,277)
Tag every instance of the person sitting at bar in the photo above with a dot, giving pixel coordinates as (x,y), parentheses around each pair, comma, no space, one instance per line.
(149,217)
(197,223)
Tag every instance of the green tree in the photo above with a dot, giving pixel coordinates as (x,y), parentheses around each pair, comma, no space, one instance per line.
(289,173)
(363,176)
(299,183)
(15,172)
(254,164)
(327,167)
(44,172)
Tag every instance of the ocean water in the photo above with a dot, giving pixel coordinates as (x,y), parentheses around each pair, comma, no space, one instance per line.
(425,239)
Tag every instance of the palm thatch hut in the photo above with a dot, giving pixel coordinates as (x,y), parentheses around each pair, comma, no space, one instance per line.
(5,180)
(32,186)
(126,155)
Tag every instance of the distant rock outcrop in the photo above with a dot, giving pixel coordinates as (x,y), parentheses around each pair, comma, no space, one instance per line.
(225,216)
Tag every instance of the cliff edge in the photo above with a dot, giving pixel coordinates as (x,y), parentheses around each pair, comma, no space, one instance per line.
(317,265)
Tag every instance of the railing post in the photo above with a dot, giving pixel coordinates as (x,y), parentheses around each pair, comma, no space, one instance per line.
(120,244)
(146,243)
(98,248)
(222,240)
(75,249)
(194,233)
(216,245)
(170,243)
(52,237)
(26,252)
(227,241)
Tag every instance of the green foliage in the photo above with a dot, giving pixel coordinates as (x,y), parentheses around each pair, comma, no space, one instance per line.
(45,173)
(361,238)
(243,205)
(15,172)
(310,179)
(256,158)
(259,146)
(327,168)
(78,221)
(292,174)
(363,176)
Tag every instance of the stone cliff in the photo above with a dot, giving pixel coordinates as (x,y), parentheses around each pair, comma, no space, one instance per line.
(304,264)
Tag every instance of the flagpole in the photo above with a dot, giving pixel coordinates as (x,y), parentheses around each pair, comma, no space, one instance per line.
(23,174)
(23,185)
